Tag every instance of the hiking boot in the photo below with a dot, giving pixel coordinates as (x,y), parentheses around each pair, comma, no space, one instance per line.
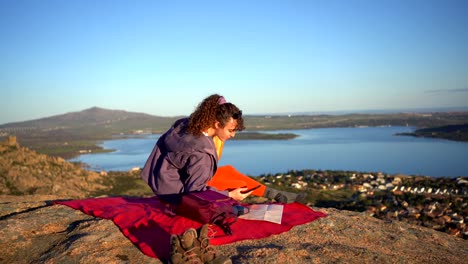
(208,253)
(176,251)
(301,198)
(184,248)
(188,238)
(284,197)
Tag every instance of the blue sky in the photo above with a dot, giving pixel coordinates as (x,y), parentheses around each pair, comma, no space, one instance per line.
(164,57)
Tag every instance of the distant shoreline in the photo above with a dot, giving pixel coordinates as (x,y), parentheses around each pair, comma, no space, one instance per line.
(451,132)
(72,134)
(264,136)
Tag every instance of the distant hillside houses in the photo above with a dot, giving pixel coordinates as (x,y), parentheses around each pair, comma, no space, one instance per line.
(424,190)
(142,132)
(383,183)
(365,183)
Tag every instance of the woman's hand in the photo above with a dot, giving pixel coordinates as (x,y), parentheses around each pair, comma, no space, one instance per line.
(237,194)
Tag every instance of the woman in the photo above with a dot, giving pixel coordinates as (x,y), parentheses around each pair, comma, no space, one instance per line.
(185,158)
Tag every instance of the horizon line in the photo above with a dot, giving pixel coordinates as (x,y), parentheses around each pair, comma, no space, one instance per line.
(329,112)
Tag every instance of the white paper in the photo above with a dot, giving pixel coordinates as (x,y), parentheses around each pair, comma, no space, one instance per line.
(266,212)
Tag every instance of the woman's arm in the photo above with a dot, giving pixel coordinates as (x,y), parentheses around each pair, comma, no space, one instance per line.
(199,170)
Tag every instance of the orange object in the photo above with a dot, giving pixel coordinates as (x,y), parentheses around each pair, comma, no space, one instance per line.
(227,178)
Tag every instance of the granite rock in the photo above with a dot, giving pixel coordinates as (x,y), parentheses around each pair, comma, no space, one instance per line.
(32,230)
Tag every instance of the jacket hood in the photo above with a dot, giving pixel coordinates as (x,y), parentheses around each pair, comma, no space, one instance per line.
(178,139)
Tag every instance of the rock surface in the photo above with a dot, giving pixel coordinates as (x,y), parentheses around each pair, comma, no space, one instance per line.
(32,230)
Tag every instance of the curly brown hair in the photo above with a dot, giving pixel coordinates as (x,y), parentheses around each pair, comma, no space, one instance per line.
(210,110)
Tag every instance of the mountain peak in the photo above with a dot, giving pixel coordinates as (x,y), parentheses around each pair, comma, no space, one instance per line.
(95,108)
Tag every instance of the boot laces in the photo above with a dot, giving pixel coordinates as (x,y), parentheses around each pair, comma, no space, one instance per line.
(191,256)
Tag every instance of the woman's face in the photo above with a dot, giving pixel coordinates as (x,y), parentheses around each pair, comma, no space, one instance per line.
(226,132)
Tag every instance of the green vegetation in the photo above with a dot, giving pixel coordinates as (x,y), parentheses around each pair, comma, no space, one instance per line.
(69,149)
(124,183)
(419,120)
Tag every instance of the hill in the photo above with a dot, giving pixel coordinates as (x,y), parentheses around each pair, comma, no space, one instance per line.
(94,116)
(68,134)
(32,230)
(26,172)
(23,171)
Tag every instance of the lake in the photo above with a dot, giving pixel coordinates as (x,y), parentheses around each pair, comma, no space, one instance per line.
(367,149)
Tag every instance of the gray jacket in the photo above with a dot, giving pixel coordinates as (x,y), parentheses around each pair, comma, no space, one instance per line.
(180,163)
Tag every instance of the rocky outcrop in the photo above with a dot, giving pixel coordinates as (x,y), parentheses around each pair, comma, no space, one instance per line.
(23,171)
(32,230)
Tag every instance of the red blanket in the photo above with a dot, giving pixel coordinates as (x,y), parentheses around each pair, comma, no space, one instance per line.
(145,223)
